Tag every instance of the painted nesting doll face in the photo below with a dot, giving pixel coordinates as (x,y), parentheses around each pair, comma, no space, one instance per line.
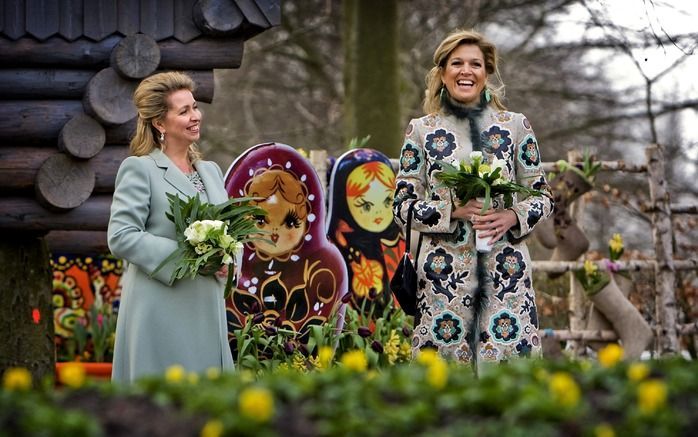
(286,202)
(369,191)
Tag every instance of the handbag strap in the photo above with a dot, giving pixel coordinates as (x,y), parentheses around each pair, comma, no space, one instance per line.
(408,232)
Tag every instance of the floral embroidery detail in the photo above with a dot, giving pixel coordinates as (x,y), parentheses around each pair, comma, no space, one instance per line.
(438,265)
(467,301)
(534,214)
(440,144)
(524,348)
(403,191)
(447,328)
(426,214)
(430,120)
(464,354)
(528,152)
(496,140)
(489,352)
(410,158)
(503,116)
(504,327)
(526,123)
(510,264)
(367,275)
(410,129)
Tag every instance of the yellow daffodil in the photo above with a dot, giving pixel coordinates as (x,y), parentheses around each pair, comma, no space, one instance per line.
(616,243)
(192,378)
(610,355)
(355,360)
(604,430)
(590,268)
(564,389)
(17,379)
(213,428)
(72,375)
(257,403)
(427,357)
(437,374)
(213,373)
(638,371)
(325,355)
(651,395)
(175,374)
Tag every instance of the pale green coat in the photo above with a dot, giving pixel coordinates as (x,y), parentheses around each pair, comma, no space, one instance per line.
(161,325)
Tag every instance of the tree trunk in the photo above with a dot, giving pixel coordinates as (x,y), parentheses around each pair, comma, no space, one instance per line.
(665,275)
(374,78)
(26,314)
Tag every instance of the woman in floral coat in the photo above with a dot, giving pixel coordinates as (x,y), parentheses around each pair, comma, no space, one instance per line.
(471,314)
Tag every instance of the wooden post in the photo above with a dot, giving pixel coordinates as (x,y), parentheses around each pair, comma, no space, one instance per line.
(664,274)
(26,314)
(576,297)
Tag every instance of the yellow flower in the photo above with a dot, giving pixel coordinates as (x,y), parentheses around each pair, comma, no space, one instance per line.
(541,375)
(298,363)
(192,378)
(590,268)
(392,346)
(355,360)
(17,379)
(427,357)
(484,169)
(610,355)
(257,403)
(564,389)
(638,372)
(604,430)
(175,374)
(405,350)
(437,374)
(72,375)
(213,428)
(651,395)
(616,243)
(213,373)
(325,355)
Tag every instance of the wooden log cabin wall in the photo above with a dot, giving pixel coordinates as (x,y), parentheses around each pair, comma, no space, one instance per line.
(68,72)
(68,69)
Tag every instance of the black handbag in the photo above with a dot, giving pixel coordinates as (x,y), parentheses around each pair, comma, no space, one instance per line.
(404,282)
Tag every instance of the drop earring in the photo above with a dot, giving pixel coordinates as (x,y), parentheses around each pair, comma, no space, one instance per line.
(162,137)
(488,95)
(441,93)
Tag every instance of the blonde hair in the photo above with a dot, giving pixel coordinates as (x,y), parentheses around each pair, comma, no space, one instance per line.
(151,100)
(432,94)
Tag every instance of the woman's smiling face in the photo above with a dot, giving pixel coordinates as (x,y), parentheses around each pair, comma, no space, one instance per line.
(464,74)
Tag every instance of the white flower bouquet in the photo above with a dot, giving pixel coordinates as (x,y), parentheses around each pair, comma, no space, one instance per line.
(210,236)
(472,178)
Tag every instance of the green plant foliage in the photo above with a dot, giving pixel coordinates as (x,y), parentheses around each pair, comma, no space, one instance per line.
(425,397)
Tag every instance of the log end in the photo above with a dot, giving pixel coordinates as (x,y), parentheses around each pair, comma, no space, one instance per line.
(82,137)
(136,56)
(64,183)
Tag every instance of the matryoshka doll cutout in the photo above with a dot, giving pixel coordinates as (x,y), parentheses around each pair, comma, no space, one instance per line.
(297,277)
(361,225)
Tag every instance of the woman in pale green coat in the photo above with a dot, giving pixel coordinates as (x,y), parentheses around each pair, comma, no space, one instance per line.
(161,325)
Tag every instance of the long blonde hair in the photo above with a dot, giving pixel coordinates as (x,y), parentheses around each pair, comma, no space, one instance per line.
(432,94)
(151,102)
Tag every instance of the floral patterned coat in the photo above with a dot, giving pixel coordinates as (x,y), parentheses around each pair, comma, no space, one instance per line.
(507,320)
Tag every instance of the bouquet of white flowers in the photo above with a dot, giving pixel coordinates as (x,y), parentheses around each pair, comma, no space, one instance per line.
(210,236)
(473,178)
